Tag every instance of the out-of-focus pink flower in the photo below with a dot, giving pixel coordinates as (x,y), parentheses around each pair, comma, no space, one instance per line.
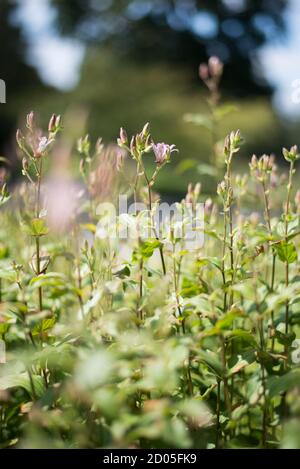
(61,202)
(215,66)
(297,199)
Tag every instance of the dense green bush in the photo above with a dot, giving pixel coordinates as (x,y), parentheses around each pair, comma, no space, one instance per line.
(142,342)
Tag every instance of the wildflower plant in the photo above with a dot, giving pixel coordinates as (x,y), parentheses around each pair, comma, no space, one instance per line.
(140,342)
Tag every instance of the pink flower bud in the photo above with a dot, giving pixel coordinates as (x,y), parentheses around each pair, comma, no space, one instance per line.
(25,164)
(99,146)
(203,72)
(30,120)
(123,137)
(215,67)
(146,130)
(19,138)
(52,123)
(297,198)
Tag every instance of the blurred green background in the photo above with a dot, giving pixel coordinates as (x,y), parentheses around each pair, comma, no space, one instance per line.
(128,62)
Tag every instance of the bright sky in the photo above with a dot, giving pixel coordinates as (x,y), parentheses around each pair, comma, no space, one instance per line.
(59,60)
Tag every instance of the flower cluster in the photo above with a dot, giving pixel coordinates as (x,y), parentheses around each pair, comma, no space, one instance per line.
(143,143)
(35,144)
(211,72)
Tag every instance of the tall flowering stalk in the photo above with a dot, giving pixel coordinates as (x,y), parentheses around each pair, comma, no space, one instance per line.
(211,74)
(225,191)
(141,144)
(35,147)
(264,171)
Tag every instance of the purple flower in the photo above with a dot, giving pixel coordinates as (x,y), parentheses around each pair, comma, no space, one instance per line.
(40,145)
(162,152)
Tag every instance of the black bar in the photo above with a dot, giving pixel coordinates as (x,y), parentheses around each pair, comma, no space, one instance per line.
(140,457)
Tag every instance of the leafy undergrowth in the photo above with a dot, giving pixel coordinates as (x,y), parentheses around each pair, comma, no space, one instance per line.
(146,341)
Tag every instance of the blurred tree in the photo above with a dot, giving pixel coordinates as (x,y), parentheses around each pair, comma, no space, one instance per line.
(19,77)
(182,31)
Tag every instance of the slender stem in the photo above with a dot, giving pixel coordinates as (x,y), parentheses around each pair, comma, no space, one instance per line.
(38,269)
(79,277)
(287,210)
(37,238)
(269,226)
(140,311)
(33,390)
(231,252)
(218,412)
(223,259)
(263,378)
(149,185)
(136,181)
(225,380)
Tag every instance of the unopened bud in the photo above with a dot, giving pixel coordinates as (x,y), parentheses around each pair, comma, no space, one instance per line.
(19,138)
(133,147)
(292,154)
(146,130)
(123,137)
(25,164)
(215,67)
(30,120)
(99,146)
(148,144)
(254,161)
(83,145)
(203,72)
(52,124)
(197,189)
(222,189)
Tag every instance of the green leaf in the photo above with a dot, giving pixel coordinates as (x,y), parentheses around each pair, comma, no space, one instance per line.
(224,110)
(285,339)
(4,251)
(241,362)
(44,326)
(212,360)
(146,250)
(22,380)
(185,165)
(199,119)
(35,227)
(280,384)
(208,170)
(51,279)
(8,274)
(244,336)
(3,328)
(287,252)
(190,288)
(121,271)
(227,321)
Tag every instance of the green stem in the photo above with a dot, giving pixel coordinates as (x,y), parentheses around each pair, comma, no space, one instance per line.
(286,240)
(218,411)
(37,239)
(38,270)
(149,185)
